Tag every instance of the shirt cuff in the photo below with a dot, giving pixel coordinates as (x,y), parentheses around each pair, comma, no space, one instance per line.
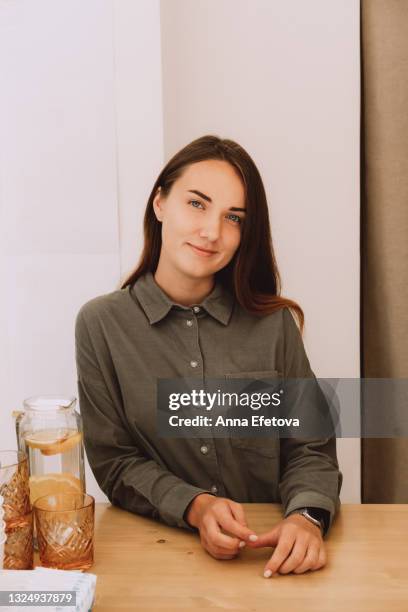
(175,503)
(312,499)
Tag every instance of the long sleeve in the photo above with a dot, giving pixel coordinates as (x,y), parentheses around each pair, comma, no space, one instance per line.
(130,479)
(310,473)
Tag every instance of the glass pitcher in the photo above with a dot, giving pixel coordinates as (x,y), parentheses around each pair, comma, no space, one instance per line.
(49,431)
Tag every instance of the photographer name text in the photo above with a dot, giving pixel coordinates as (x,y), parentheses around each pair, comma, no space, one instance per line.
(256,420)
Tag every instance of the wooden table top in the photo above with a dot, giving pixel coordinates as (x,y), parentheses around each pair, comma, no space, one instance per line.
(142,564)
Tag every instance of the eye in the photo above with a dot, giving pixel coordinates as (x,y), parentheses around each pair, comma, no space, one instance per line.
(236,218)
(193,202)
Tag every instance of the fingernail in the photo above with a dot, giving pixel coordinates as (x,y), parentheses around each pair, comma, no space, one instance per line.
(267,573)
(253,538)
(241,544)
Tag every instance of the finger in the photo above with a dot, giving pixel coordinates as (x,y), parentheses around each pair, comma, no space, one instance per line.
(310,560)
(226,520)
(220,552)
(238,513)
(217,551)
(270,538)
(219,540)
(281,553)
(322,560)
(296,557)
(222,557)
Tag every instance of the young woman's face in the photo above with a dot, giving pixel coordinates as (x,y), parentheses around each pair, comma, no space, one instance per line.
(204,210)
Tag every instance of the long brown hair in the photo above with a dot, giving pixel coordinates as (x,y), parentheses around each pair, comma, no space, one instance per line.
(252,275)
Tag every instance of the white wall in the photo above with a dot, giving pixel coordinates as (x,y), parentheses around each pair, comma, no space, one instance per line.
(282,78)
(139,117)
(65,123)
(84,135)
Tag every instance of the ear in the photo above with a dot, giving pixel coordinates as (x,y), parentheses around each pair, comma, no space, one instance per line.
(158,204)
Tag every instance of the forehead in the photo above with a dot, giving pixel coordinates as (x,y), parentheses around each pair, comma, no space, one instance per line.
(217,179)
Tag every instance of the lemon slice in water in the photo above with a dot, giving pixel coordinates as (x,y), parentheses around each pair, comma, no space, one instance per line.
(53,441)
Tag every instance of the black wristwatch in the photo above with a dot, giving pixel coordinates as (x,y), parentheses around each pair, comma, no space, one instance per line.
(317,516)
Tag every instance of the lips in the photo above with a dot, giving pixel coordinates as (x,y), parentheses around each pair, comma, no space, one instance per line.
(201,251)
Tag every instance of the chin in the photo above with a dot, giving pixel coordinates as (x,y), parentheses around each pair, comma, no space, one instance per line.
(195,270)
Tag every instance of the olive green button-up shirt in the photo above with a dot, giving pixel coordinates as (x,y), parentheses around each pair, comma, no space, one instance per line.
(129,338)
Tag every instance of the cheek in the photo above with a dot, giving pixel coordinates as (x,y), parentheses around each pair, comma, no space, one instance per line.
(183,223)
(232,239)
(174,227)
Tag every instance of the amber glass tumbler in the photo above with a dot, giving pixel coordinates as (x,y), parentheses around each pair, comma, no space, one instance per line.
(65,530)
(18,548)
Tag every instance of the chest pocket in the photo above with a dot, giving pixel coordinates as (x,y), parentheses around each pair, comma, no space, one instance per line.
(252,447)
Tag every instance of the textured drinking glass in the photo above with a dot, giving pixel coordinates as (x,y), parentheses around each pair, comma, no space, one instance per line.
(65,530)
(14,488)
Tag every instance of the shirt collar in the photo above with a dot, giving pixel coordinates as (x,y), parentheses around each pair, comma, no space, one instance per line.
(157,304)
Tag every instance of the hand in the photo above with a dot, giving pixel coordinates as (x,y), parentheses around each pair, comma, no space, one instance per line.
(213,515)
(299,546)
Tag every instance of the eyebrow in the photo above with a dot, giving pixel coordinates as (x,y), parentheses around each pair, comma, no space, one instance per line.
(206,197)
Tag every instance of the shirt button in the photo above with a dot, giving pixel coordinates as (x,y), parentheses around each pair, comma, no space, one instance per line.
(204,450)
(196,308)
(193,364)
(189,323)
(214,489)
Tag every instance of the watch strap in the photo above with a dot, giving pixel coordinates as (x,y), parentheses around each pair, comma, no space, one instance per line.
(317,516)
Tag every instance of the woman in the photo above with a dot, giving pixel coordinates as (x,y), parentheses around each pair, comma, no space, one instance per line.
(203,301)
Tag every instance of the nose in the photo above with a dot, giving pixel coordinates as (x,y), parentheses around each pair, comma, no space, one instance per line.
(211,228)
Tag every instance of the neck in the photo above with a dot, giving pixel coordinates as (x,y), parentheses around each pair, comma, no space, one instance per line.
(183,289)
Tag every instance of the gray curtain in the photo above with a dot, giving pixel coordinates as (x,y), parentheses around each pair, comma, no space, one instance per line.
(384,229)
